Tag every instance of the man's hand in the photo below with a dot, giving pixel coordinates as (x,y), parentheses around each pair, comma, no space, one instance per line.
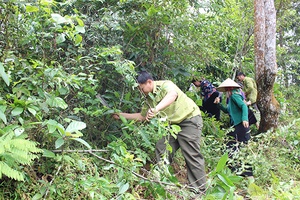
(151,113)
(116,116)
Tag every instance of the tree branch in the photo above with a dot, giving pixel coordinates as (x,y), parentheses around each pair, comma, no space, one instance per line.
(79,151)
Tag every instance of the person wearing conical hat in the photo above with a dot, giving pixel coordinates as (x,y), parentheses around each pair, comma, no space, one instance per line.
(238,112)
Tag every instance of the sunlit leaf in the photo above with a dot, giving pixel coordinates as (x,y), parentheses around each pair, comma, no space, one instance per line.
(3,117)
(60,38)
(32,111)
(52,125)
(19,131)
(123,188)
(82,142)
(59,142)
(30,8)
(75,126)
(255,190)
(17,111)
(222,163)
(225,180)
(78,39)
(3,74)
(176,128)
(58,18)
(48,154)
(74,135)
(79,21)
(80,29)
(57,102)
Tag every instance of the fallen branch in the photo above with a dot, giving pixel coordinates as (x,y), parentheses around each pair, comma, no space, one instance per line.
(80,151)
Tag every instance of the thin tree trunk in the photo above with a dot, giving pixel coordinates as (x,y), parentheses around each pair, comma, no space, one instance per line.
(265,62)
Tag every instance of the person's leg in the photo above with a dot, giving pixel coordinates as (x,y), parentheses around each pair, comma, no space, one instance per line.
(160,148)
(242,133)
(231,147)
(243,136)
(189,141)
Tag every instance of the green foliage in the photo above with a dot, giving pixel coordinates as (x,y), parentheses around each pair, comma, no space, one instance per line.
(15,151)
(222,182)
(56,56)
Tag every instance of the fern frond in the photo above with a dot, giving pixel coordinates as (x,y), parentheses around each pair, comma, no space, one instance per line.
(10,172)
(25,145)
(16,151)
(21,157)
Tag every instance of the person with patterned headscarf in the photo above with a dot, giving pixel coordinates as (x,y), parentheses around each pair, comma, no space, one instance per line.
(209,94)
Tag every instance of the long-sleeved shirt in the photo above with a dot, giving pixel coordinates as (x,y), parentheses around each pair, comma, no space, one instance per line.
(236,108)
(250,89)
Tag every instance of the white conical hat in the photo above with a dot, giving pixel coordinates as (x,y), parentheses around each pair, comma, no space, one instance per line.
(228,83)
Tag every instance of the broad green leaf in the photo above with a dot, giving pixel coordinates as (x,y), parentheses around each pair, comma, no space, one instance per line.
(19,131)
(52,125)
(176,128)
(174,135)
(58,18)
(225,180)
(75,126)
(3,108)
(17,111)
(60,38)
(30,8)
(80,29)
(82,142)
(32,111)
(79,21)
(37,196)
(123,188)
(160,190)
(63,90)
(151,11)
(3,117)
(222,163)
(9,128)
(57,102)
(123,119)
(74,135)
(55,134)
(3,74)
(78,39)
(48,154)
(255,190)
(59,142)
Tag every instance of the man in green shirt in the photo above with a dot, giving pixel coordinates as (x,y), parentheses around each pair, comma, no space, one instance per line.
(250,89)
(164,99)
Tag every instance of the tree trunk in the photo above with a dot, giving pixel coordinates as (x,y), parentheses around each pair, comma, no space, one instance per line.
(265,62)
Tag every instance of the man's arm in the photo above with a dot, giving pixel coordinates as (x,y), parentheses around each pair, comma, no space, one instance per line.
(130,116)
(165,102)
